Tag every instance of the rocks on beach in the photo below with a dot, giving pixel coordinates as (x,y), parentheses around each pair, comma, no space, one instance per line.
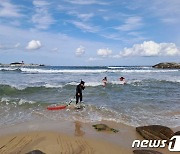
(177,133)
(35,152)
(167,65)
(155,132)
(104,127)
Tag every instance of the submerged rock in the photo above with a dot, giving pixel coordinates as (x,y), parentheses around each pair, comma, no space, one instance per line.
(103,127)
(167,65)
(146,152)
(35,152)
(155,132)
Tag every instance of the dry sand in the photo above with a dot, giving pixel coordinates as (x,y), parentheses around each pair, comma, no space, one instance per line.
(56,143)
(52,137)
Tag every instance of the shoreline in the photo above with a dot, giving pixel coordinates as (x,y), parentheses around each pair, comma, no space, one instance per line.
(73,135)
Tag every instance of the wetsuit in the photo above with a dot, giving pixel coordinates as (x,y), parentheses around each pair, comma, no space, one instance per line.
(79,89)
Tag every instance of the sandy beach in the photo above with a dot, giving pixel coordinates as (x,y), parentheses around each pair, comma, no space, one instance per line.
(67,137)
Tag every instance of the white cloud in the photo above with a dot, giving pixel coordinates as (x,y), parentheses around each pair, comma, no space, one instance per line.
(33,45)
(42,18)
(8,9)
(83,2)
(17,45)
(55,49)
(1,46)
(104,52)
(112,36)
(40,3)
(94,59)
(84,27)
(170,20)
(131,23)
(8,47)
(82,16)
(150,48)
(80,51)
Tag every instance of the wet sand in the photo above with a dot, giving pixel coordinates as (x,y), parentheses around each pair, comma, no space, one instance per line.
(67,137)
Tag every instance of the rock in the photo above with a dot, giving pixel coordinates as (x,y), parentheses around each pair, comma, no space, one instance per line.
(146,152)
(101,127)
(35,152)
(177,133)
(155,132)
(167,65)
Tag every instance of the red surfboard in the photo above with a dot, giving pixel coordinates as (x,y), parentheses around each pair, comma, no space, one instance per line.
(56,107)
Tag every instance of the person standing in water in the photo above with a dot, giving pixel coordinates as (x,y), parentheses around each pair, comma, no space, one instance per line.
(122,79)
(79,89)
(104,81)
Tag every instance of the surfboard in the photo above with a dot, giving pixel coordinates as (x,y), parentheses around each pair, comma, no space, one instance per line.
(60,107)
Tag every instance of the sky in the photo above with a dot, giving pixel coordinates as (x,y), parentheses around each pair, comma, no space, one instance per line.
(90,32)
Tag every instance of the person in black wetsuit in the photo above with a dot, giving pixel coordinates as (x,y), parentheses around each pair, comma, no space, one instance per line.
(79,89)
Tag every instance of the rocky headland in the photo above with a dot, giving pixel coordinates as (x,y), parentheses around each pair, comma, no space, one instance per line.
(167,65)
(20,64)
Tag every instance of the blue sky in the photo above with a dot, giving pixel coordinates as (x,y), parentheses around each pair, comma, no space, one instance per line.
(90,32)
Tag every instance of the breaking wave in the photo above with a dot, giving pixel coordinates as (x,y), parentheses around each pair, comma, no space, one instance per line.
(88,70)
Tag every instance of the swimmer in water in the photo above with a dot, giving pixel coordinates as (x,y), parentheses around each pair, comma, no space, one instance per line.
(104,81)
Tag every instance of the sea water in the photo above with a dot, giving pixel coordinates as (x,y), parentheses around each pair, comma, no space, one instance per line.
(150,96)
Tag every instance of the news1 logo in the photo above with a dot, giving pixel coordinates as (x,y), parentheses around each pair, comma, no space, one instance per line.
(174,144)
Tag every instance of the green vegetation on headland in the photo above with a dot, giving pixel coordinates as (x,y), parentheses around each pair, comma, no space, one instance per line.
(167,65)
(21,64)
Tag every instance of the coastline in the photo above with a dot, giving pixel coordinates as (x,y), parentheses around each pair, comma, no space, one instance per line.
(68,137)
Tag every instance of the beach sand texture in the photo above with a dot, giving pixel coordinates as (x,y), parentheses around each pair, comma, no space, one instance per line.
(56,143)
(68,138)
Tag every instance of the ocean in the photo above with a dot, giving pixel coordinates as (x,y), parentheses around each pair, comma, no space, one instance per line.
(151,96)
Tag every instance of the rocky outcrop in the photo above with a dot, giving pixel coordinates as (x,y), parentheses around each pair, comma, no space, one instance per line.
(177,133)
(155,132)
(146,152)
(35,152)
(20,65)
(167,65)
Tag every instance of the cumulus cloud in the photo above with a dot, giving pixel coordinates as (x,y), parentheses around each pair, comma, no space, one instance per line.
(150,48)
(104,52)
(33,45)
(80,51)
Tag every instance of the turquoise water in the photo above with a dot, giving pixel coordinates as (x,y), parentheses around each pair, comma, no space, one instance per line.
(151,96)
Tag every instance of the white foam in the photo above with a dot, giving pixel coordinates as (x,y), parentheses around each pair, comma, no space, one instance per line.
(23,101)
(3,99)
(30,70)
(118,82)
(147,71)
(9,69)
(116,67)
(89,84)
(111,69)
(53,85)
